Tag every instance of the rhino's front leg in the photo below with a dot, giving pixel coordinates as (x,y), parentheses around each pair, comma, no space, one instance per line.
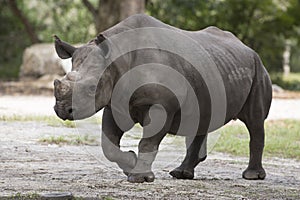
(155,128)
(148,148)
(111,136)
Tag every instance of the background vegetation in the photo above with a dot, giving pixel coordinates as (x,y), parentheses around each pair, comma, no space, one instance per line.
(235,139)
(266,26)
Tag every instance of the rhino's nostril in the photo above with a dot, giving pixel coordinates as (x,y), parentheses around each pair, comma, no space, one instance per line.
(70,110)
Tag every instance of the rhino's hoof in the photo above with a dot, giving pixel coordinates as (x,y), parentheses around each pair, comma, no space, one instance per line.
(182,173)
(141,177)
(254,174)
(127,167)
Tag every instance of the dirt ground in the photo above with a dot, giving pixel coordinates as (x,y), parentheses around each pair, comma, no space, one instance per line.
(29,168)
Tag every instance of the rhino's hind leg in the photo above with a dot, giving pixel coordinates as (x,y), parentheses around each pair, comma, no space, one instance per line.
(255,171)
(255,126)
(196,153)
(253,114)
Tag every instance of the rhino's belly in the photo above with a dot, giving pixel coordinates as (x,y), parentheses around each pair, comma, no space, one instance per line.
(237,87)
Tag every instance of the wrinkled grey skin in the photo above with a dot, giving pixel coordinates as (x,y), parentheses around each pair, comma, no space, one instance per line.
(247,85)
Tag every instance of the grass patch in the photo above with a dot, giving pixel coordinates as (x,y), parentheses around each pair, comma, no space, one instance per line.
(35,196)
(70,140)
(234,140)
(21,118)
(282,139)
(24,196)
(58,122)
(50,120)
(289,82)
(108,198)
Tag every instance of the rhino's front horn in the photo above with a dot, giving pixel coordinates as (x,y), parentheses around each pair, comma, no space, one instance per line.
(57,82)
(62,88)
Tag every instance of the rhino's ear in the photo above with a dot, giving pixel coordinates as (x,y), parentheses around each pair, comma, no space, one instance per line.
(104,45)
(63,49)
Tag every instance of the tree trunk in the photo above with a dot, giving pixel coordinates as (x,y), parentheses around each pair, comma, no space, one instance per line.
(286,59)
(28,27)
(131,7)
(110,12)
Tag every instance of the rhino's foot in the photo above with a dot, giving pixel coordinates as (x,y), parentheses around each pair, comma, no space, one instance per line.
(141,177)
(182,173)
(130,164)
(254,174)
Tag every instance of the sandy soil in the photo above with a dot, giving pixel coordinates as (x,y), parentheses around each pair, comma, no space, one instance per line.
(28,166)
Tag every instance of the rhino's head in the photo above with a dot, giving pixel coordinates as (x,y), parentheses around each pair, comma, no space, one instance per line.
(88,87)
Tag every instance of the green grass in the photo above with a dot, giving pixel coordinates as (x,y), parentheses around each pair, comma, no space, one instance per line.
(21,118)
(59,122)
(23,196)
(282,139)
(37,196)
(70,140)
(282,136)
(50,120)
(289,82)
(108,198)
(292,77)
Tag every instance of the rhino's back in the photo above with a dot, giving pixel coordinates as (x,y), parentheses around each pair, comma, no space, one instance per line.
(236,63)
(137,21)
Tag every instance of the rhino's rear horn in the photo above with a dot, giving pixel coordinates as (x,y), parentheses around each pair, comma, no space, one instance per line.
(104,44)
(63,49)
(100,38)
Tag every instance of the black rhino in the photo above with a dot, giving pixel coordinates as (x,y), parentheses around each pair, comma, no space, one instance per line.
(169,81)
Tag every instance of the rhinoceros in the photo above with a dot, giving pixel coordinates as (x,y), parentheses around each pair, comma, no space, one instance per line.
(170,81)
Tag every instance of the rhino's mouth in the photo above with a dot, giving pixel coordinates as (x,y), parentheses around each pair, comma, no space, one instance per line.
(64,113)
(72,113)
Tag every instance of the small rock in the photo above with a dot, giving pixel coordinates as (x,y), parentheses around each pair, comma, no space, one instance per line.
(40,60)
(61,195)
(277,88)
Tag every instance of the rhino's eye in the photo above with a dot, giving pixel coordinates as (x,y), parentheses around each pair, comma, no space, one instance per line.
(92,89)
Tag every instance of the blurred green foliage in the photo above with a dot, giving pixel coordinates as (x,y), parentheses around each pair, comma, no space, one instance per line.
(263,25)
(288,82)
(68,19)
(13,41)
